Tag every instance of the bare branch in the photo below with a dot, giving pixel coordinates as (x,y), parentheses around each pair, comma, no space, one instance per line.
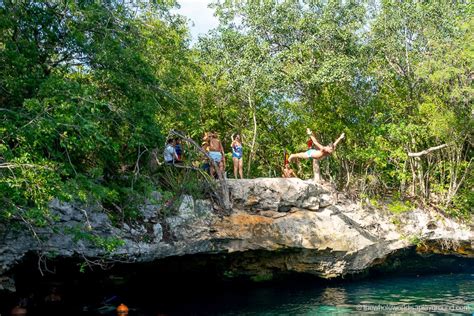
(8,110)
(450,197)
(19,165)
(427,151)
(70,162)
(223,184)
(396,67)
(136,170)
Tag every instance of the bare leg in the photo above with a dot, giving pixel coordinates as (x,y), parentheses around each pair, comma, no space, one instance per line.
(298,155)
(241,168)
(221,167)
(211,168)
(236,166)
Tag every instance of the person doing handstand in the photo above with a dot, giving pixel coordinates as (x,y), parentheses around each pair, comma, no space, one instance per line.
(319,153)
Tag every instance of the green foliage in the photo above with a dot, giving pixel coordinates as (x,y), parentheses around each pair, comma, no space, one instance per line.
(83,85)
(415,240)
(263,277)
(463,204)
(229,274)
(82,267)
(396,221)
(108,244)
(89,89)
(398,206)
(27,190)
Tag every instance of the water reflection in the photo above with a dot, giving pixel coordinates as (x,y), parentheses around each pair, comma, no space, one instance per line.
(296,298)
(334,296)
(438,290)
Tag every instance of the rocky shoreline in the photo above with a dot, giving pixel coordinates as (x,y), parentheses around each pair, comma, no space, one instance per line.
(302,227)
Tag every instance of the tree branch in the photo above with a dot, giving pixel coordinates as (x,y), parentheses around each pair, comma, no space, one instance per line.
(427,151)
(225,191)
(19,165)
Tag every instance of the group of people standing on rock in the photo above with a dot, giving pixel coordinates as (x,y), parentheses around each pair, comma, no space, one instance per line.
(212,145)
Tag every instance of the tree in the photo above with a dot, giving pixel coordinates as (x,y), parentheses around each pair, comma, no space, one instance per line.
(83,87)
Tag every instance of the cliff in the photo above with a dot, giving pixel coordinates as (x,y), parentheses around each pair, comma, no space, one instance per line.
(301,227)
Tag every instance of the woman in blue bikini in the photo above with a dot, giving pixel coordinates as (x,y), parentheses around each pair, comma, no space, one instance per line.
(237,156)
(319,153)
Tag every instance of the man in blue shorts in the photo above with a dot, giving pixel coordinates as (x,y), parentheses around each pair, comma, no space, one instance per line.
(216,153)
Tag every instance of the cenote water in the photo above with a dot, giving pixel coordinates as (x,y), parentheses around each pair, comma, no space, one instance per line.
(151,294)
(429,294)
(423,294)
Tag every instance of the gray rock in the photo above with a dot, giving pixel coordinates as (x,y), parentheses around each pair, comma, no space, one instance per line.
(158,232)
(275,194)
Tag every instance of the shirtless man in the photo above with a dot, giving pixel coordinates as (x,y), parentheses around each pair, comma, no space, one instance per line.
(319,153)
(216,152)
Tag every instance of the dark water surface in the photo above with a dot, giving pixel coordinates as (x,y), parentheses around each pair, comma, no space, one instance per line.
(430,294)
(147,290)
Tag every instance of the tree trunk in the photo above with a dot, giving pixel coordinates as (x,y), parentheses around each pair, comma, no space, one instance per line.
(316,171)
(413,176)
(252,146)
(420,173)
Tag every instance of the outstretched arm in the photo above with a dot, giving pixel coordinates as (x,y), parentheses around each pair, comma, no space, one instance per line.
(310,134)
(339,139)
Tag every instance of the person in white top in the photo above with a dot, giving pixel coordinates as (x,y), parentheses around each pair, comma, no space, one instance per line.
(170,153)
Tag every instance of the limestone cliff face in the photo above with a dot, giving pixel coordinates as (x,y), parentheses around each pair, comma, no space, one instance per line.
(301,226)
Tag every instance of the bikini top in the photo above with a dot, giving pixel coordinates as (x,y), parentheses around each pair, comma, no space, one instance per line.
(237,149)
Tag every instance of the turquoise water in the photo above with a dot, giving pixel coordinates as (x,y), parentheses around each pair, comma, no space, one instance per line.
(432,294)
